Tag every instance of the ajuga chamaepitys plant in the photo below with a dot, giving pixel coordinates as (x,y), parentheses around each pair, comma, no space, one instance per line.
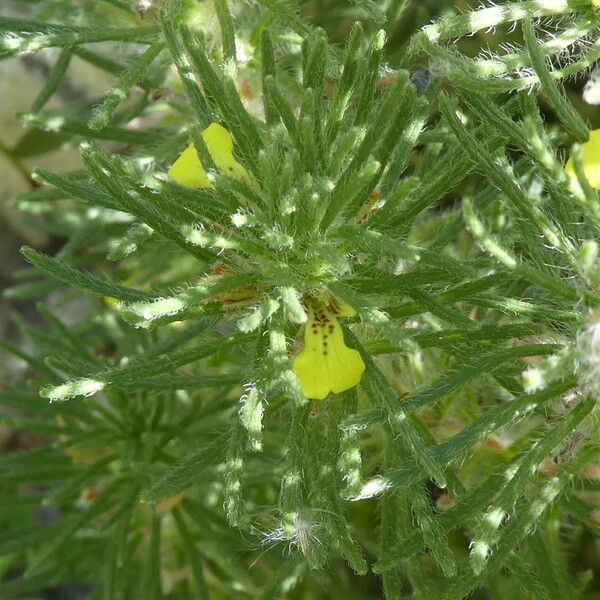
(319,311)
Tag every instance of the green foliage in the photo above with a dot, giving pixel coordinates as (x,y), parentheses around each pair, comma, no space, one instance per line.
(172,437)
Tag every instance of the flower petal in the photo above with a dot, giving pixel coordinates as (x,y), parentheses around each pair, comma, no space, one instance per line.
(309,366)
(591,160)
(345,364)
(326,364)
(188,170)
(220,146)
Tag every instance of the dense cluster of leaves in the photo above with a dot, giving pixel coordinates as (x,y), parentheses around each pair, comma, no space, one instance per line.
(416,182)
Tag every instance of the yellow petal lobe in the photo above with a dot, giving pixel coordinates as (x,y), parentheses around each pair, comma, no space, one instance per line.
(220,146)
(188,170)
(326,364)
(591,160)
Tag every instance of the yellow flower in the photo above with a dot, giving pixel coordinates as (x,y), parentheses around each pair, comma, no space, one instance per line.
(188,170)
(326,364)
(591,159)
